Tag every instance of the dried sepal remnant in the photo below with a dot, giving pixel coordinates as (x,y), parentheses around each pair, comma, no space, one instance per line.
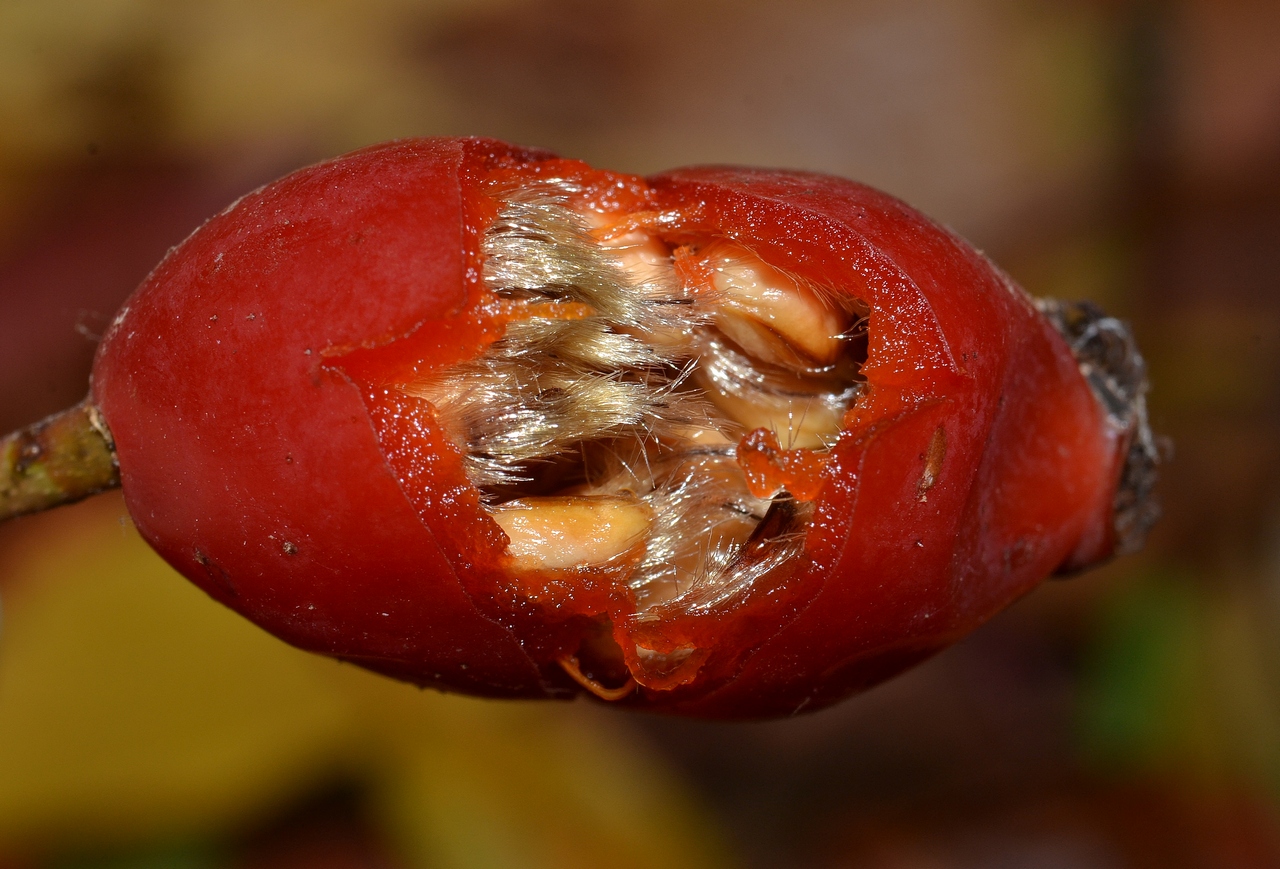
(612,406)
(1110,362)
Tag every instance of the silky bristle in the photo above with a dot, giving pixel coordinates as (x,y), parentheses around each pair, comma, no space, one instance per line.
(540,245)
(704,514)
(549,384)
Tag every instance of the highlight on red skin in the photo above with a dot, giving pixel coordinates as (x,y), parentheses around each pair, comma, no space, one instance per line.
(264,392)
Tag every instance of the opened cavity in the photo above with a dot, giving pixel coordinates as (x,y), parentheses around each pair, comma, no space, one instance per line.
(655,410)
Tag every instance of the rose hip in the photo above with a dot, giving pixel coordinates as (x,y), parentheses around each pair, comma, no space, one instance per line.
(726,442)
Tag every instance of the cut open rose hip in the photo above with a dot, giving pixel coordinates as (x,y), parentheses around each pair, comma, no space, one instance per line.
(725,442)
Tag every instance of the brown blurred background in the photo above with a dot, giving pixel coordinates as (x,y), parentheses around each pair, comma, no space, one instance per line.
(1118,150)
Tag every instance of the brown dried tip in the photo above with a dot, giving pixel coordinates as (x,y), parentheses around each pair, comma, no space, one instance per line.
(1109,359)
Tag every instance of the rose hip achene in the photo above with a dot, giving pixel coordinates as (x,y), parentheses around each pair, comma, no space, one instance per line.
(725,442)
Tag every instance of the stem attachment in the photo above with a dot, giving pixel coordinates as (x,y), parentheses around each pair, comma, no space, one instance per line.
(59,460)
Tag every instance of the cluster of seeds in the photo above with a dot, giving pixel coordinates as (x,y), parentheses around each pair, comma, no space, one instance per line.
(604,424)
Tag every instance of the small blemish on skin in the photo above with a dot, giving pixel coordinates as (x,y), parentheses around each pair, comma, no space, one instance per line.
(213,319)
(216,574)
(29,452)
(932,463)
(290,548)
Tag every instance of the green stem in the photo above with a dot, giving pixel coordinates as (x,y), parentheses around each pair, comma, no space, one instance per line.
(56,461)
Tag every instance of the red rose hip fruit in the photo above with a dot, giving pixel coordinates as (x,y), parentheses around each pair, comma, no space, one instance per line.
(726,442)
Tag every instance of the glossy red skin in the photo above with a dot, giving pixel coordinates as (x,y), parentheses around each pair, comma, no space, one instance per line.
(265,455)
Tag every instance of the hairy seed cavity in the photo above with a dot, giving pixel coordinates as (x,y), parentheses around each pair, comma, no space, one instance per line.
(603,427)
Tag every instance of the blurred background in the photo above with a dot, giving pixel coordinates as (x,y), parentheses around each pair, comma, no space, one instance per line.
(1119,150)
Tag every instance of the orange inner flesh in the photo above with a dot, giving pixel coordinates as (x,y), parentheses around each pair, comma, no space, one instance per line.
(655,413)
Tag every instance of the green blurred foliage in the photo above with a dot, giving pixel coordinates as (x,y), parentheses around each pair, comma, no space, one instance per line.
(1182,683)
(174,857)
